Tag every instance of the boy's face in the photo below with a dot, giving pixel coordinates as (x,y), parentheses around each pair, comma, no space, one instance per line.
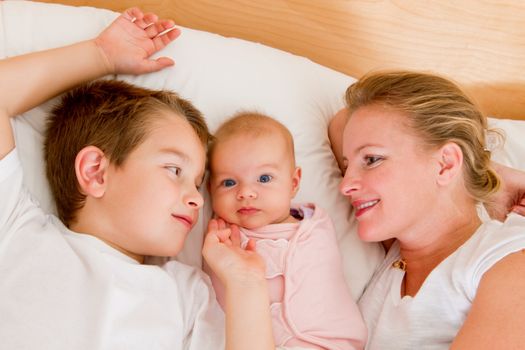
(152,200)
(253,180)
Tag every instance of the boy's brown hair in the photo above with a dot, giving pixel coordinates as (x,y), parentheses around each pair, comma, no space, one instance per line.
(111,115)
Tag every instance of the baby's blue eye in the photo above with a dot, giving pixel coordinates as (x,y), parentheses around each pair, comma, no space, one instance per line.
(228,183)
(265,178)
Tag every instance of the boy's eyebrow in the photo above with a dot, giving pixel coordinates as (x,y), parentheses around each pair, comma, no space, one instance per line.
(176,152)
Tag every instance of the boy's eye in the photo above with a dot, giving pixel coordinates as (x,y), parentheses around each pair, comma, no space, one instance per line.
(228,183)
(265,178)
(371,160)
(175,170)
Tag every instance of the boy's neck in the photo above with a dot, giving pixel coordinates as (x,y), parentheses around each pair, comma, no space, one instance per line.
(98,229)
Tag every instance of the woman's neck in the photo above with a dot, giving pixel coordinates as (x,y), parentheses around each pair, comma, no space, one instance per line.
(423,254)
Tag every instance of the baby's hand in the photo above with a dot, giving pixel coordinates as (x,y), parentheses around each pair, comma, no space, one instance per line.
(132,38)
(224,255)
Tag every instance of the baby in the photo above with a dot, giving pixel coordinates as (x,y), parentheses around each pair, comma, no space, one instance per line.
(253,179)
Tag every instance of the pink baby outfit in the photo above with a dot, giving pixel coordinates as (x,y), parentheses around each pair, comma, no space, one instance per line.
(310,301)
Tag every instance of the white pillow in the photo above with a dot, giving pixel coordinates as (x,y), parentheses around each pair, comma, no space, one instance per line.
(220,76)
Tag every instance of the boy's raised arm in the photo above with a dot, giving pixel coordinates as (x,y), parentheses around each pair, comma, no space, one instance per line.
(123,47)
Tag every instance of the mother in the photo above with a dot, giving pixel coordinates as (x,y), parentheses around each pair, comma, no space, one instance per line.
(415,168)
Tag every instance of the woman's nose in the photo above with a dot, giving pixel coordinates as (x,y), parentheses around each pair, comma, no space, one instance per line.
(349,184)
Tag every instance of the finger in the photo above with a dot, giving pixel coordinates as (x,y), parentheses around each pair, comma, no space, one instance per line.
(169,31)
(163,27)
(221,223)
(165,37)
(519,209)
(163,62)
(225,236)
(152,29)
(133,14)
(147,21)
(250,245)
(235,235)
(212,225)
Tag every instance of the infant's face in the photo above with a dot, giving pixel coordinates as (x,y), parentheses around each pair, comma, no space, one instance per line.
(253,180)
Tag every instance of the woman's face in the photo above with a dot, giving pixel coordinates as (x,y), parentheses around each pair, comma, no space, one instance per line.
(389,178)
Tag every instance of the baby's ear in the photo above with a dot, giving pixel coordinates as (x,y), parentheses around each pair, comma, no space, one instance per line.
(296,180)
(450,163)
(91,169)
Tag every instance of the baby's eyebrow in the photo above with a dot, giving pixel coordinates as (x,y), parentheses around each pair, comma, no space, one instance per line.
(268,165)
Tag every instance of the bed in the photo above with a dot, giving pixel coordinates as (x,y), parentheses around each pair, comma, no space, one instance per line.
(293,60)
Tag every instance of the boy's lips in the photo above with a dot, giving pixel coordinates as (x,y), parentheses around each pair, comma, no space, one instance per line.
(184,219)
(361,206)
(248,211)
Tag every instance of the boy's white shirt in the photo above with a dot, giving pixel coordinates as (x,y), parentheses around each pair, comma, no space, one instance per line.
(65,290)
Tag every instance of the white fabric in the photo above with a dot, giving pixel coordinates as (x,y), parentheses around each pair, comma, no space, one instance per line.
(431,319)
(64,290)
(222,75)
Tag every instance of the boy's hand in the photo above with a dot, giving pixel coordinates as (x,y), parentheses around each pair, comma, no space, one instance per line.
(132,38)
(224,255)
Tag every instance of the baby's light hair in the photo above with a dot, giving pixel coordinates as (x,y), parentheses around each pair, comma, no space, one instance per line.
(253,124)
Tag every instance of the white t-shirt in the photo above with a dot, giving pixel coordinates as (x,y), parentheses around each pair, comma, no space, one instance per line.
(431,319)
(65,290)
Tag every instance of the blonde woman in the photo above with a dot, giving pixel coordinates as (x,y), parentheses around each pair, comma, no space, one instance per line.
(415,167)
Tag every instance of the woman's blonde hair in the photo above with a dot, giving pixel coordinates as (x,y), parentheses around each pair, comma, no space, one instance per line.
(437,111)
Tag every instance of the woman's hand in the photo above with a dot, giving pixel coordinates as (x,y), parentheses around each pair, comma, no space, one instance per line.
(128,42)
(511,196)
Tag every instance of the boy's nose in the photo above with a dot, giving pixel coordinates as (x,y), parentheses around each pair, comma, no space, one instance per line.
(194,199)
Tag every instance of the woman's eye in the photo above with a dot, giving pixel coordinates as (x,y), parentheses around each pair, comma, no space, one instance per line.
(175,170)
(228,183)
(371,160)
(265,178)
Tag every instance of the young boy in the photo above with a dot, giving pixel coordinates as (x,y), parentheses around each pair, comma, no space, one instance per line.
(124,165)
(253,178)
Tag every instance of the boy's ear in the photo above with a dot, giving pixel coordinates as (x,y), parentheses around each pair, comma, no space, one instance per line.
(450,158)
(296,180)
(91,169)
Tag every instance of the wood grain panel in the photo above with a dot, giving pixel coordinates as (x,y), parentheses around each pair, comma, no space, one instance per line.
(478,43)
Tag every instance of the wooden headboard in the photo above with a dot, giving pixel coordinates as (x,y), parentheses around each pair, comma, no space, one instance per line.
(480,44)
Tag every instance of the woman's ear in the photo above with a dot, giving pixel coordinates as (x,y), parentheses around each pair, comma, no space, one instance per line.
(91,169)
(450,158)
(296,180)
